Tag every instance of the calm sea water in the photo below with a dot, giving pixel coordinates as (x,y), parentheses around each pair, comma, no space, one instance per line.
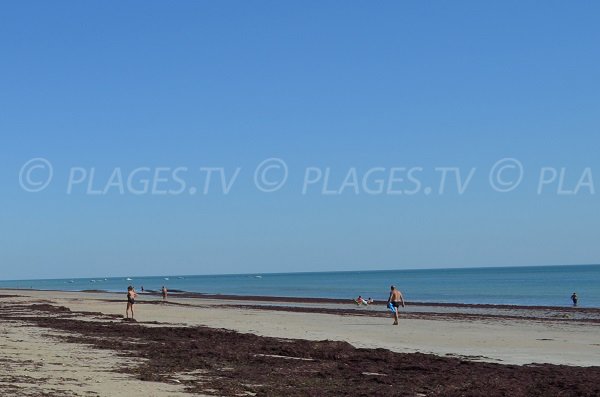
(547,285)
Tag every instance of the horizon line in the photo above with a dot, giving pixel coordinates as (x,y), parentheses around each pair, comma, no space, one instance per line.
(307,272)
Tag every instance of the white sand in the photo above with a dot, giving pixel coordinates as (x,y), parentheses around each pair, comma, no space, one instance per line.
(66,369)
(503,341)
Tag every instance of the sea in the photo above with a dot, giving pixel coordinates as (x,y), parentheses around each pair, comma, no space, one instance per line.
(530,286)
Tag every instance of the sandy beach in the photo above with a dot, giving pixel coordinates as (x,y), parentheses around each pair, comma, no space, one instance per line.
(77,344)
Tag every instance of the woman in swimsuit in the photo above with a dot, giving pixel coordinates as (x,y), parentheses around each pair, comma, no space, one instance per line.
(131,295)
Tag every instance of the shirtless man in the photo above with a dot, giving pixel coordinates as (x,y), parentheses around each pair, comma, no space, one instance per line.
(396,300)
(164,293)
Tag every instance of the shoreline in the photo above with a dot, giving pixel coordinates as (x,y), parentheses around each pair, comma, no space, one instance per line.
(320,300)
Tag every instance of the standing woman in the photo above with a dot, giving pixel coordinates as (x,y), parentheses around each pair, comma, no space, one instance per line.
(131,295)
(164,293)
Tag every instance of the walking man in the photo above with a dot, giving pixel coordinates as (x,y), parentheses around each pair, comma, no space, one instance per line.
(395,300)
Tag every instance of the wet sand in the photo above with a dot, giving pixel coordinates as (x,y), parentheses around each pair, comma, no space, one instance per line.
(251,347)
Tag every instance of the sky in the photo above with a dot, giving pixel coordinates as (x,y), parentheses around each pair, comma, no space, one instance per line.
(337,120)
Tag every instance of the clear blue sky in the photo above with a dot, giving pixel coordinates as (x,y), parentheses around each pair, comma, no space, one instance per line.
(325,84)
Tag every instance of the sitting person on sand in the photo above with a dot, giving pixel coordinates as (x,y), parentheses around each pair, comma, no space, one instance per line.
(370,301)
(131,295)
(360,301)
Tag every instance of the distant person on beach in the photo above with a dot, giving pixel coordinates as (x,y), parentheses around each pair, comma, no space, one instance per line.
(164,293)
(142,288)
(360,300)
(370,301)
(396,299)
(131,295)
(574,298)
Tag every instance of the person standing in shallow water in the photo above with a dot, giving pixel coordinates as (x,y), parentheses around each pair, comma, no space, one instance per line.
(396,299)
(131,295)
(574,298)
